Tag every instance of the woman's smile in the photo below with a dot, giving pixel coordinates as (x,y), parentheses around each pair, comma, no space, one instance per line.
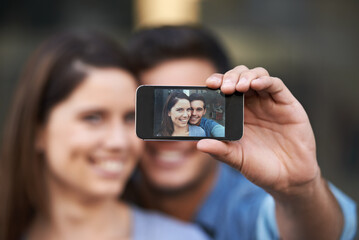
(108,167)
(180,113)
(185,119)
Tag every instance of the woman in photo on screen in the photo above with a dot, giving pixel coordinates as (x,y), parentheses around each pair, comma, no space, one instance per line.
(69,147)
(175,117)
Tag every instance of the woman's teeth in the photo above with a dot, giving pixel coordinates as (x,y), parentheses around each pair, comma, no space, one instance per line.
(111,166)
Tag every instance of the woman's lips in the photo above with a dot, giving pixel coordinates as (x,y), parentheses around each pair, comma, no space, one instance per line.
(112,166)
(108,167)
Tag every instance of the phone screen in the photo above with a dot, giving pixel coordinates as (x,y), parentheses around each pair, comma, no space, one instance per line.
(189,112)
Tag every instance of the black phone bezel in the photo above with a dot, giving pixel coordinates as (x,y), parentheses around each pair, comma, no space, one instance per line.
(145,108)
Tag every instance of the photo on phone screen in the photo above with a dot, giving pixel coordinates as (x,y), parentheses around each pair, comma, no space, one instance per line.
(187,113)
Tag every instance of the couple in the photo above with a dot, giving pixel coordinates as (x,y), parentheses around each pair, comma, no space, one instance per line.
(70,146)
(183,116)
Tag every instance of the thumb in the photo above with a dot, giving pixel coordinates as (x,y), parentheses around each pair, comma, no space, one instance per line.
(227,152)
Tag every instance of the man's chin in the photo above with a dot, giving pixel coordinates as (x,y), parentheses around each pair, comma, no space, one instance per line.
(193,122)
(171,188)
(170,185)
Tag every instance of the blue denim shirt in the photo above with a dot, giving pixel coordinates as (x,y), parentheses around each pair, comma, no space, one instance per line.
(238,209)
(212,128)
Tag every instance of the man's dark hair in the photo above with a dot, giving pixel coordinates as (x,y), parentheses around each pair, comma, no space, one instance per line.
(196,96)
(150,47)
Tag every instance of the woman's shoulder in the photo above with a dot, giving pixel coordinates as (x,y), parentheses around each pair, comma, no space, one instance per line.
(196,131)
(153,225)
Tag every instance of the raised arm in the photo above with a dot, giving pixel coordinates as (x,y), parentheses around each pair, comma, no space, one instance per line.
(277,152)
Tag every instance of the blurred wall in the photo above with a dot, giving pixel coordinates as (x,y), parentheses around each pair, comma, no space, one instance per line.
(311,45)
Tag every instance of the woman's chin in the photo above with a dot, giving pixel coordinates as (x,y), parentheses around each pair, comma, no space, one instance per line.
(182,124)
(104,191)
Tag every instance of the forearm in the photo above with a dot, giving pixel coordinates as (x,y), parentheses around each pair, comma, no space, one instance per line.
(218,131)
(309,213)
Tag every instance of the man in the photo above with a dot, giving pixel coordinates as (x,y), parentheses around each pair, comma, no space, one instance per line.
(274,189)
(198,105)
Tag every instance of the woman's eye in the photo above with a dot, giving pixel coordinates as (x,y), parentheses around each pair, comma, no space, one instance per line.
(180,109)
(93,118)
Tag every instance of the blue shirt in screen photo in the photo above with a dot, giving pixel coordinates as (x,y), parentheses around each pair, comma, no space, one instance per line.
(212,128)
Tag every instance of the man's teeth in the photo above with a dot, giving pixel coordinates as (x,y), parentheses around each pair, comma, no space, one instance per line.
(170,156)
(111,166)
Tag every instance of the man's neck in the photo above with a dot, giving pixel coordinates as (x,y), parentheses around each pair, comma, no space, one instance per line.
(182,205)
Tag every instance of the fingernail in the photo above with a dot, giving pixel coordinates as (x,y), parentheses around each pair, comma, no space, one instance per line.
(243,79)
(226,83)
(227,80)
(214,79)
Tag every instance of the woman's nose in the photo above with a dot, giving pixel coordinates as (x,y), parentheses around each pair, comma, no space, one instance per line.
(116,137)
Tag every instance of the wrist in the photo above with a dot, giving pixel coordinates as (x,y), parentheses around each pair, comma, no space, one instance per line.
(301,192)
(306,209)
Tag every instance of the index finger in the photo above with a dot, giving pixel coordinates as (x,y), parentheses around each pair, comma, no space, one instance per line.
(231,78)
(275,88)
(214,81)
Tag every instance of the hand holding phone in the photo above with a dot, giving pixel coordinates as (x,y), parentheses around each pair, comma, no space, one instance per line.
(188,113)
(278,146)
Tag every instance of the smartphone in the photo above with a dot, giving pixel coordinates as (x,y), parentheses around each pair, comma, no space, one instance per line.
(188,113)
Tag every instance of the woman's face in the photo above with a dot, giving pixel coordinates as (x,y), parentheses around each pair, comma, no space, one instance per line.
(89,139)
(180,113)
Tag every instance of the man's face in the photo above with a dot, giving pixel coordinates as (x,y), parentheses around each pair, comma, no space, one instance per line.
(173,166)
(198,111)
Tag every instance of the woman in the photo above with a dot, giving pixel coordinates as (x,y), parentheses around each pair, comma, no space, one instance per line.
(70,146)
(175,116)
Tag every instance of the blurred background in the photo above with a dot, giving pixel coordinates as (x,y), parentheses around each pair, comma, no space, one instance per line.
(311,45)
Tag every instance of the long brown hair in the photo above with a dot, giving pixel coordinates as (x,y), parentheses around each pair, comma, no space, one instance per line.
(167,124)
(51,74)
